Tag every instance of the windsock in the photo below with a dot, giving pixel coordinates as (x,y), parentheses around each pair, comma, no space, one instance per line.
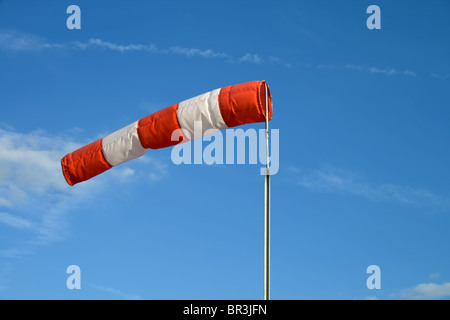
(218,109)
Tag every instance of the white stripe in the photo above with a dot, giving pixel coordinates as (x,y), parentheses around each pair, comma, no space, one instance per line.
(122,145)
(204,108)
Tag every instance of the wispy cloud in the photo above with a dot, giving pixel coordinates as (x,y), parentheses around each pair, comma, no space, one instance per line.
(374,70)
(435,275)
(116,292)
(279,61)
(32,188)
(253,58)
(422,291)
(15,221)
(189,52)
(371,298)
(377,70)
(176,50)
(440,76)
(333,180)
(12,40)
(113,46)
(160,168)
(35,200)
(15,41)
(427,291)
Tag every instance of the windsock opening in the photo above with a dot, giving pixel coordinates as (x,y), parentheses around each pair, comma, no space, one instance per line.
(244,103)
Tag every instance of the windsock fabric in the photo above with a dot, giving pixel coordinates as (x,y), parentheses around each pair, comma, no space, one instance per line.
(218,109)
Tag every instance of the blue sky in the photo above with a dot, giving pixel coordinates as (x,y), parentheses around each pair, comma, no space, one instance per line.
(363,117)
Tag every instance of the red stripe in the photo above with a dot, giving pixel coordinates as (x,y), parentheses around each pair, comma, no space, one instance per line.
(244,103)
(84,163)
(155,131)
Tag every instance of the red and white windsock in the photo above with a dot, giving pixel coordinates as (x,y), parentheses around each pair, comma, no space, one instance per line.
(218,109)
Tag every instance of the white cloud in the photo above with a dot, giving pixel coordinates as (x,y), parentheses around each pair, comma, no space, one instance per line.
(116,292)
(427,291)
(276,60)
(122,173)
(386,71)
(30,161)
(197,52)
(335,180)
(35,197)
(34,192)
(440,76)
(116,47)
(252,58)
(12,40)
(378,70)
(5,202)
(371,298)
(15,221)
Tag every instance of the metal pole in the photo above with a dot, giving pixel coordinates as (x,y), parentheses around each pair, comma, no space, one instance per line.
(267,210)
